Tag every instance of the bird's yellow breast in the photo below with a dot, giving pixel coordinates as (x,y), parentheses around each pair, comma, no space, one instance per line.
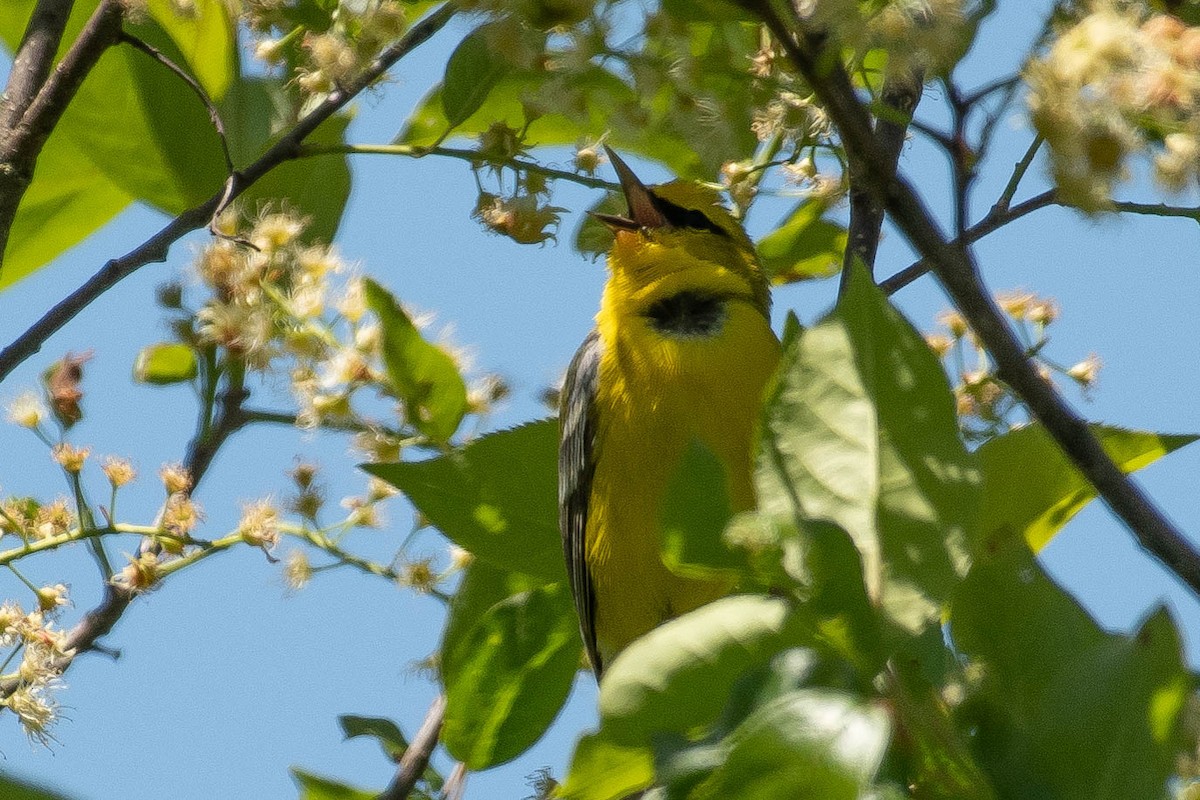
(656,393)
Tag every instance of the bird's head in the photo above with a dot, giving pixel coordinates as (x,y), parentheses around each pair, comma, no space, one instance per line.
(678,237)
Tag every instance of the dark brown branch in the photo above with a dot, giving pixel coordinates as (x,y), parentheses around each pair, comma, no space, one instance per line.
(213,114)
(956,271)
(900,95)
(24,141)
(156,248)
(33,59)
(416,758)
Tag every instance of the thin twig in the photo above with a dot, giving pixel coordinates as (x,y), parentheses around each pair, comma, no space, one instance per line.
(900,95)
(462,154)
(995,220)
(214,115)
(157,246)
(416,758)
(1019,171)
(33,59)
(456,784)
(954,266)
(1001,215)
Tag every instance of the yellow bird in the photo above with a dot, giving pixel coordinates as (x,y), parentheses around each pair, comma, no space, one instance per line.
(682,350)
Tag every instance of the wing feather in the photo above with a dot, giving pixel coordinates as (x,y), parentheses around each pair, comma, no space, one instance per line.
(576,465)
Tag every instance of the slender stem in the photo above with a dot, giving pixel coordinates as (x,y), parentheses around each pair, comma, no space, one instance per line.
(460,153)
(156,247)
(70,537)
(998,217)
(416,757)
(819,62)
(1019,171)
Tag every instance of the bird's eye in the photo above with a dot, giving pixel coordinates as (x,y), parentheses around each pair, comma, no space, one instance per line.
(680,217)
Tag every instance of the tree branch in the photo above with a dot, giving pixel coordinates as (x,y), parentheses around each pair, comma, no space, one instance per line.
(416,757)
(157,246)
(900,96)
(956,271)
(33,59)
(23,142)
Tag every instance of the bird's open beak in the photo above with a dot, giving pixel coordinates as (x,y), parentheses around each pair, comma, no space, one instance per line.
(643,211)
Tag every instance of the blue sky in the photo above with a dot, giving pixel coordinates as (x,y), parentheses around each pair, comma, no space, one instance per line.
(224,682)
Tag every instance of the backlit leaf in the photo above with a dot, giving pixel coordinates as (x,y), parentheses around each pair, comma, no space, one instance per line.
(1031,488)
(511,675)
(421,373)
(497,497)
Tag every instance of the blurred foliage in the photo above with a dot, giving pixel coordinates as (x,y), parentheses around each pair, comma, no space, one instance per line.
(892,634)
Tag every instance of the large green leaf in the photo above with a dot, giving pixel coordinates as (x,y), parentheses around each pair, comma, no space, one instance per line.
(497,497)
(509,677)
(860,430)
(481,588)
(1032,489)
(603,770)
(471,71)
(804,246)
(203,33)
(695,512)
(1066,710)
(69,199)
(808,743)
(678,676)
(422,374)
(170,160)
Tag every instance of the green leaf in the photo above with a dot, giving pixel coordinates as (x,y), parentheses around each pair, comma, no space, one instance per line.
(1066,710)
(165,363)
(510,677)
(390,738)
(808,743)
(472,70)
(317,187)
(204,34)
(422,374)
(678,676)
(388,733)
(695,513)
(69,199)
(315,787)
(804,246)
(171,161)
(497,497)
(482,587)
(603,770)
(1032,489)
(13,789)
(860,430)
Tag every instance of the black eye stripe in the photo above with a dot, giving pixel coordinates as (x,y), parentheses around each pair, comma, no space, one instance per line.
(681,217)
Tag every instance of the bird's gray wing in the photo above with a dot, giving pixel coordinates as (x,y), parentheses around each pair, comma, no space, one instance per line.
(576,465)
